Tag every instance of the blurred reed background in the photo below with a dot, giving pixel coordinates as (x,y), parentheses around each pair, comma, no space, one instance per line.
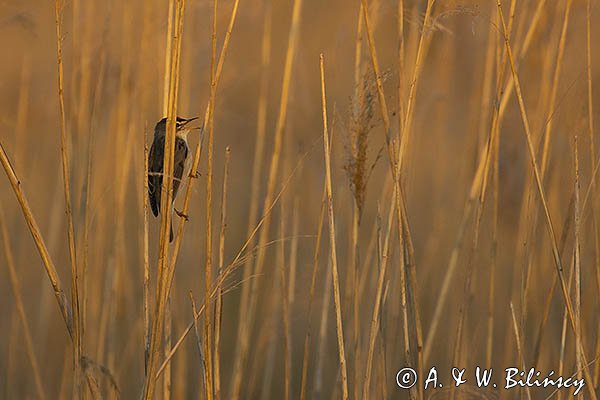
(465,274)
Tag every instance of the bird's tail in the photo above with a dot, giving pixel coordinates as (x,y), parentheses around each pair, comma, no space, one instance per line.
(171,233)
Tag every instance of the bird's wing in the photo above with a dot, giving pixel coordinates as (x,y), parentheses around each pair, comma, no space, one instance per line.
(155,168)
(181,154)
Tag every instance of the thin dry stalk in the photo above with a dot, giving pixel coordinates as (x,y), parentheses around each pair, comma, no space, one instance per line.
(146,290)
(510,86)
(334,266)
(597,352)
(167,378)
(467,289)
(219,299)
(167,196)
(261,125)
(85,85)
(294,252)
(493,266)
(519,347)
(16,289)
(168,55)
(554,91)
(577,259)
(421,51)
(564,331)
(486,90)
(197,336)
(39,241)
(311,297)
(208,244)
(226,273)
(385,252)
(526,225)
(592,158)
(318,375)
(358,54)
(198,152)
(285,308)
(355,286)
(239,260)
(90,179)
(249,310)
(77,339)
(548,219)
(357,169)
(401,64)
(395,160)
(376,70)
(590,96)
(358,174)
(408,252)
(453,261)
(489,153)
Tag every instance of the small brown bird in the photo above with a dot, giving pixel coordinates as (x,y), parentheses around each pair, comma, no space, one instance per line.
(181,163)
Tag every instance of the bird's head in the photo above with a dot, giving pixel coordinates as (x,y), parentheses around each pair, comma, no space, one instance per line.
(182,127)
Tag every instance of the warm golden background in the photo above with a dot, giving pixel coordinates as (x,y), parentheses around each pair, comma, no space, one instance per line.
(114,66)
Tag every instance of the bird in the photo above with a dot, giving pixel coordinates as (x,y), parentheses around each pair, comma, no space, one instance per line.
(181,163)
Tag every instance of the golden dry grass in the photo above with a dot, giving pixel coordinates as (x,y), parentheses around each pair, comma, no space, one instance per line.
(381,184)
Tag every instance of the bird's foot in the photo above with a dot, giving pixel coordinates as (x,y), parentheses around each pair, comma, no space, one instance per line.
(196,174)
(182,215)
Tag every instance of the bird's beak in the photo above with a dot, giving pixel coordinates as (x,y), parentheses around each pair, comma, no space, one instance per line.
(187,121)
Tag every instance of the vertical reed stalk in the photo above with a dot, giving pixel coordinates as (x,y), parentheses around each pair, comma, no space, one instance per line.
(548,219)
(311,296)
(293,259)
(248,311)
(167,379)
(219,298)
(208,248)
(577,262)
(66,172)
(519,346)
(353,275)
(285,306)
(554,90)
(318,376)
(378,298)
(168,55)
(167,199)
(401,65)
(332,245)
(421,51)
(396,170)
(595,223)
(198,152)
(255,179)
(197,336)
(146,290)
(477,179)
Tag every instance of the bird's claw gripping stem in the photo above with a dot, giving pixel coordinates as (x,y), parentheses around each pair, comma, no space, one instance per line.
(182,215)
